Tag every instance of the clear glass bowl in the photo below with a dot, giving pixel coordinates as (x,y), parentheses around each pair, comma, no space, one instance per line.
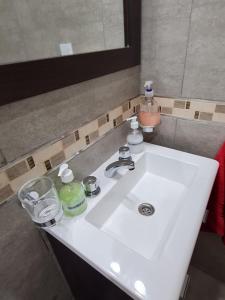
(40,199)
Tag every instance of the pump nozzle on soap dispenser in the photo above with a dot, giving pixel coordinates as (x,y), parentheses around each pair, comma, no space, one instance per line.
(148,89)
(134,123)
(65,173)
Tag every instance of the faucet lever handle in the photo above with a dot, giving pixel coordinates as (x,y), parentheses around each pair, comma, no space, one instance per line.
(124,153)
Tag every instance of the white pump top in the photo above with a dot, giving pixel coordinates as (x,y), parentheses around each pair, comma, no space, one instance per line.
(65,173)
(134,123)
(148,89)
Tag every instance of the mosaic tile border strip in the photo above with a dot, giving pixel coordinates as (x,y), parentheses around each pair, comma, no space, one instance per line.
(38,163)
(193,109)
(41,161)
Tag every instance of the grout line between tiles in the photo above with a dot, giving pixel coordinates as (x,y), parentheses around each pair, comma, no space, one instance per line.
(187,46)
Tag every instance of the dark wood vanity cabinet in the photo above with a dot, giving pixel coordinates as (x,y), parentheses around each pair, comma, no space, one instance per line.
(85,282)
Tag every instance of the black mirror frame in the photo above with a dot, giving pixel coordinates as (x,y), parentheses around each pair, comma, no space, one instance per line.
(27,79)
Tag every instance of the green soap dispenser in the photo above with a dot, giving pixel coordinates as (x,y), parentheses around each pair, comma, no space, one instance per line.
(72,193)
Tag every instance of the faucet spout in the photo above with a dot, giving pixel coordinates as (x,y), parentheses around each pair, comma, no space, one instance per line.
(115,166)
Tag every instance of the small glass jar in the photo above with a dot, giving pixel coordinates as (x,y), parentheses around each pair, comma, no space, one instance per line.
(40,199)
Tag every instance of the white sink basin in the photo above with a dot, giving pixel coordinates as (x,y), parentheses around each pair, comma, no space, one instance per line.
(160,181)
(146,256)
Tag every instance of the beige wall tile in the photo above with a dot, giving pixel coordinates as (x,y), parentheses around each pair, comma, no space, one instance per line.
(94,136)
(179,104)
(206,116)
(103,120)
(220,108)
(126,106)
(204,106)
(183,113)
(196,105)
(3,179)
(70,151)
(5,193)
(117,121)
(137,108)
(136,101)
(88,128)
(115,113)
(219,117)
(57,159)
(17,170)
(39,170)
(105,128)
(127,114)
(168,102)
(47,152)
(68,140)
(166,110)
(75,148)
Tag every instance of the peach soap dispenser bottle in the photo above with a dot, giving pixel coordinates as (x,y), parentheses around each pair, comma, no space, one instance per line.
(149,115)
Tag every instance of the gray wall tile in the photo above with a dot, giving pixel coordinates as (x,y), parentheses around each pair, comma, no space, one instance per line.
(27,269)
(199,137)
(182,48)
(163,134)
(209,255)
(165,27)
(30,123)
(205,66)
(155,9)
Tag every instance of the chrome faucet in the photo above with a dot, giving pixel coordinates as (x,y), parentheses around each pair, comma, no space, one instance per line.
(116,165)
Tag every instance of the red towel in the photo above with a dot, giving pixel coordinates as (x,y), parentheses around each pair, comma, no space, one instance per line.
(216,217)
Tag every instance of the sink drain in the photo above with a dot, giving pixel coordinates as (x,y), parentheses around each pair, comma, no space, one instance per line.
(146,209)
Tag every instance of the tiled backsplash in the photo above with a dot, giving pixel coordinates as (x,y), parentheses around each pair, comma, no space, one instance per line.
(38,163)
(50,156)
(193,109)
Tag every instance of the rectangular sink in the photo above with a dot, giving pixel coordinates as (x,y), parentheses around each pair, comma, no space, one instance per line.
(157,180)
(147,256)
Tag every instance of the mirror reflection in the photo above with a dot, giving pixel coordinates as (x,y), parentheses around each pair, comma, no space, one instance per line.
(38,29)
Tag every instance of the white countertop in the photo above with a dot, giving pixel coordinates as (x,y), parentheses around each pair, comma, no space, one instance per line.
(158,278)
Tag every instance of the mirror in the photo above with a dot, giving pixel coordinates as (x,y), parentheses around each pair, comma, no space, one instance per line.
(39,29)
(27,78)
